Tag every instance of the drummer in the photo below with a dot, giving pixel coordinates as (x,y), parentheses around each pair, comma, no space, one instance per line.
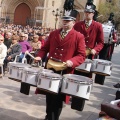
(93,33)
(107,50)
(66,45)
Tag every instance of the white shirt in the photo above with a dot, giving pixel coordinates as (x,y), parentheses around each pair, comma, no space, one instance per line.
(89,22)
(3,52)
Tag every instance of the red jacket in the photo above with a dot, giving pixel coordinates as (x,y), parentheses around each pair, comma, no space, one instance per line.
(72,47)
(93,35)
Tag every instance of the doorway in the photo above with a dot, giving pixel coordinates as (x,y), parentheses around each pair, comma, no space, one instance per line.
(22,14)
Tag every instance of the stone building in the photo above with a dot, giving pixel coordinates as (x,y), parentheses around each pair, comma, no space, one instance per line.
(36,12)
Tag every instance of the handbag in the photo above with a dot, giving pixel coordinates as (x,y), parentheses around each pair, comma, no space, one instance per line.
(56,65)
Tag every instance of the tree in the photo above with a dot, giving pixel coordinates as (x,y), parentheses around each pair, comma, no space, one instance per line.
(106,8)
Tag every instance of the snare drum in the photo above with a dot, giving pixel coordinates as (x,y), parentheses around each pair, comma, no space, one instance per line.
(76,85)
(49,82)
(85,67)
(30,76)
(102,67)
(107,30)
(15,70)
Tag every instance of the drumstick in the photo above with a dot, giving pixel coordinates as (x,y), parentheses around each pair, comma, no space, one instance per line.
(31,55)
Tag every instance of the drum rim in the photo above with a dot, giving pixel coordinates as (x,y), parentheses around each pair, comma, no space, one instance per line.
(18,66)
(82,70)
(58,75)
(30,72)
(105,74)
(75,95)
(100,61)
(88,80)
(31,69)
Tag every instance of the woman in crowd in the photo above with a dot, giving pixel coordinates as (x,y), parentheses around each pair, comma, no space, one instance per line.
(15,49)
(35,44)
(25,46)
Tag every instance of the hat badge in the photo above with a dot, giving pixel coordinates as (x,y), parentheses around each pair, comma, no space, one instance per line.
(67,13)
(88,7)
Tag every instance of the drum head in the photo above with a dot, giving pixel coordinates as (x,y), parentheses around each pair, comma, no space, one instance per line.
(52,75)
(104,62)
(20,65)
(79,78)
(46,70)
(32,70)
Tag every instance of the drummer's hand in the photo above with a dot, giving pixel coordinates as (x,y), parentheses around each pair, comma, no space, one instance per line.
(69,63)
(93,52)
(9,57)
(26,52)
(37,59)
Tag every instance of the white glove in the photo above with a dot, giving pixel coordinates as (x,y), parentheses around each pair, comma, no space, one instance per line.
(69,63)
(93,52)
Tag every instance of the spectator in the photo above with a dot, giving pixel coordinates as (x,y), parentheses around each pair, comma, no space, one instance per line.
(36,44)
(25,46)
(3,51)
(7,40)
(26,37)
(14,50)
(41,39)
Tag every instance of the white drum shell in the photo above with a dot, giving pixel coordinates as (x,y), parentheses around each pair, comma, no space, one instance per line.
(106,31)
(15,70)
(86,66)
(76,89)
(103,67)
(30,76)
(49,81)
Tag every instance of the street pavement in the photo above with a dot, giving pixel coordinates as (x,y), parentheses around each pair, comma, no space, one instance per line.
(17,106)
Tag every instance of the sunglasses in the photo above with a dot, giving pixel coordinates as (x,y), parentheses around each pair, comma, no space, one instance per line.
(13,39)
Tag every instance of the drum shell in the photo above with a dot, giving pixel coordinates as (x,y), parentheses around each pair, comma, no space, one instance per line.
(15,70)
(107,31)
(50,83)
(101,68)
(85,67)
(30,76)
(76,89)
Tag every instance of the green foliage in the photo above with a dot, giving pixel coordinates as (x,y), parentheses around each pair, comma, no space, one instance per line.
(106,8)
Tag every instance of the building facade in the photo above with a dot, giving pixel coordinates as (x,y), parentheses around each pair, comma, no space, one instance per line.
(37,12)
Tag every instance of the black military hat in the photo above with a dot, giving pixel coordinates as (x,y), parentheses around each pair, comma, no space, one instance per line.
(90,7)
(70,15)
(111,16)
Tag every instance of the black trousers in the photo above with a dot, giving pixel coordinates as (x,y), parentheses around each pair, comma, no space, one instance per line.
(99,79)
(79,102)
(76,101)
(117,95)
(104,54)
(54,103)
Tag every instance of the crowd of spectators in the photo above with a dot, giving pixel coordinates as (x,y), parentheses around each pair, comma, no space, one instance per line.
(18,40)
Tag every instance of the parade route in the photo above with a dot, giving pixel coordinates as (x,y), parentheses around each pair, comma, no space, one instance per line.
(17,106)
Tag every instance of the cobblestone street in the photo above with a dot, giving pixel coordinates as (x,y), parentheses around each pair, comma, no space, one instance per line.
(16,106)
